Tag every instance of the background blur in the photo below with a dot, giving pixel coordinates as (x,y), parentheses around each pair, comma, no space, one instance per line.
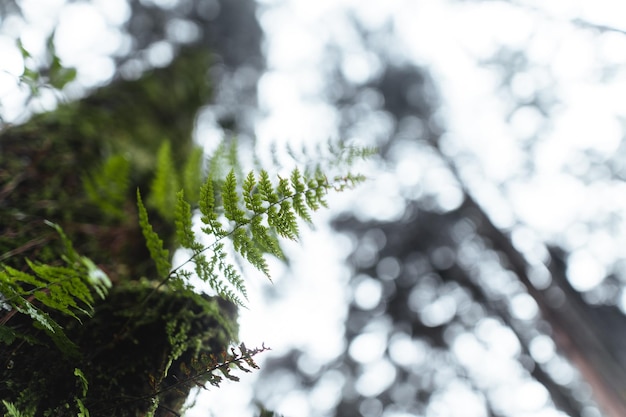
(480,271)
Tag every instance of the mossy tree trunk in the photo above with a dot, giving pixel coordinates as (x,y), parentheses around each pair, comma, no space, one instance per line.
(125,346)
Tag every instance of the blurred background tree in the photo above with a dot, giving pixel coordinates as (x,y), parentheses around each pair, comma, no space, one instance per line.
(458,306)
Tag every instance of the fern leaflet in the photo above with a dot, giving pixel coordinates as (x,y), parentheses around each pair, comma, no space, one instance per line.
(108,186)
(158,253)
(64,289)
(252,215)
(165,184)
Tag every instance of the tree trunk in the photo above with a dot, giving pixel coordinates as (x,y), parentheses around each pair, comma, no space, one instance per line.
(124,347)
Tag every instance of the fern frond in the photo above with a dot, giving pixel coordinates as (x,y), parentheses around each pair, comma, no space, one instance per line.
(321,186)
(284,191)
(345,155)
(266,188)
(108,186)
(224,158)
(207,270)
(212,369)
(347,181)
(246,247)
(63,289)
(82,379)
(264,238)
(252,214)
(182,219)
(158,253)
(230,198)
(287,224)
(165,183)
(12,410)
(235,279)
(218,264)
(251,196)
(192,175)
(208,210)
(299,189)
(42,321)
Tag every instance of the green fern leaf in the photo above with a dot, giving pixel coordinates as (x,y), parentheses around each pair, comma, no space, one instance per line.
(283,188)
(82,410)
(70,256)
(12,277)
(207,209)
(230,199)
(182,219)
(98,280)
(266,188)
(165,184)
(229,273)
(207,271)
(252,215)
(43,321)
(263,238)
(252,198)
(108,186)
(158,253)
(249,250)
(12,410)
(192,175)
(235,279)
(321,187)
(298,197)
(64,287)
(286,223)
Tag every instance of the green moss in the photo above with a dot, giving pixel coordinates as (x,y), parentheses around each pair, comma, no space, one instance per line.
(126,347)
(43,167)
(44,163)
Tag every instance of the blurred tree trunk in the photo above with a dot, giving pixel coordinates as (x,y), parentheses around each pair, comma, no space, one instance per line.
(592,337)
(432,249)
(125,345)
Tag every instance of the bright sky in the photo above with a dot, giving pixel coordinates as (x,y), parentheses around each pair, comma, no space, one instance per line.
(449,37)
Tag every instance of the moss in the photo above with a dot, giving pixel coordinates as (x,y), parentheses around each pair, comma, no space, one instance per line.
(42,167)
(43,164)
(124,347)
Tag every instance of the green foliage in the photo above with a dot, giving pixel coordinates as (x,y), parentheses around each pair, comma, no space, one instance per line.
(12,410)
(83,387)
(107,187)
(192,174)
(206,269)
(46,288)
(165,184)
(168,180)
(158,253)
(64,289)
(243,215)
(52,75)
(251,215)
